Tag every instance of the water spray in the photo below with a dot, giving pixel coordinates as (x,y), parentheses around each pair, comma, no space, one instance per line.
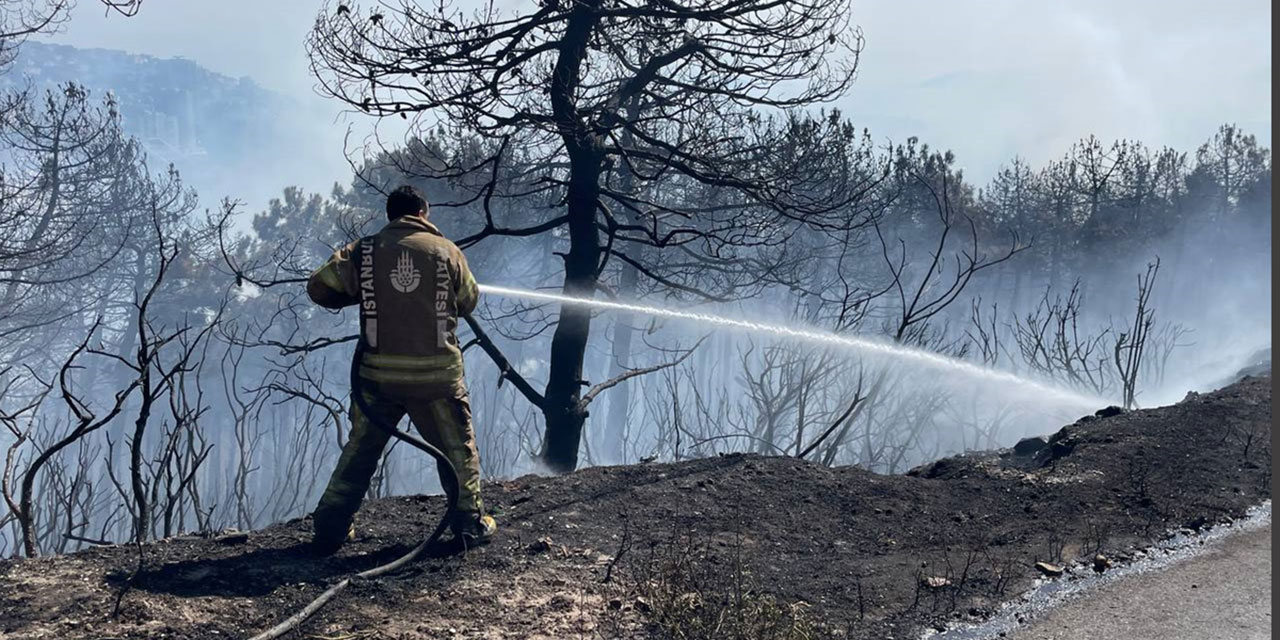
(866,345)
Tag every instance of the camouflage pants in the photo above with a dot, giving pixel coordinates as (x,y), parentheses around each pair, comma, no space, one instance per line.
(443,422)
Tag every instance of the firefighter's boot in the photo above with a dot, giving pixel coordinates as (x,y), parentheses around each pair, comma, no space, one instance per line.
(473,528)
(325,543)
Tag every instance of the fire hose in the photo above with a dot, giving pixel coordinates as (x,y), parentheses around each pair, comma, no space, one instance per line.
(451,491)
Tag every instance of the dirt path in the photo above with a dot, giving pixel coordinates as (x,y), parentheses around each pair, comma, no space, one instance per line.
(774,545)
(1222,593)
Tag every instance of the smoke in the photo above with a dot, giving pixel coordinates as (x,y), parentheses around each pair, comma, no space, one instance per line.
(764,380)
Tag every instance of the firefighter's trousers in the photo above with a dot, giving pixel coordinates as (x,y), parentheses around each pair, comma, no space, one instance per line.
(443,422)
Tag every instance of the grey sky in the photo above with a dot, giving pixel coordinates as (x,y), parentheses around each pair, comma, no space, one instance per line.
(987,79)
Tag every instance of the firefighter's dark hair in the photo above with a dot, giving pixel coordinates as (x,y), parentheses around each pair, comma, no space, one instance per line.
(405,201)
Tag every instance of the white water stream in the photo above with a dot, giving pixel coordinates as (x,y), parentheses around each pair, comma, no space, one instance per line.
(929,359)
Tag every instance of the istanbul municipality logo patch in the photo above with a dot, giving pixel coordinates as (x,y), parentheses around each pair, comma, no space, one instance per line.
(405,277)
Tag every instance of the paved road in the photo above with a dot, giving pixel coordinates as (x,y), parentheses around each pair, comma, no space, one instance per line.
(1222,594)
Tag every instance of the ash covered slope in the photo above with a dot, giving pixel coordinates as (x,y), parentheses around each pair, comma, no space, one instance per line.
(870,555)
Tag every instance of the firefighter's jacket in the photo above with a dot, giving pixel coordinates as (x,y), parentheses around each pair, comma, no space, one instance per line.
(411,284)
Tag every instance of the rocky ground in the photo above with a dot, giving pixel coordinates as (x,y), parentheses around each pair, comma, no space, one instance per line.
(730,547)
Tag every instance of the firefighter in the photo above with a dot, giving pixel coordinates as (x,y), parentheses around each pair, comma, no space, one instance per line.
(411,284)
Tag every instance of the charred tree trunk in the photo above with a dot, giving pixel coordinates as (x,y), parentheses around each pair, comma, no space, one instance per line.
(563,414)
(142,512)
(562,409)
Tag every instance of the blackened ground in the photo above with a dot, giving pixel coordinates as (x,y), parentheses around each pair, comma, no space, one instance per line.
(856,554)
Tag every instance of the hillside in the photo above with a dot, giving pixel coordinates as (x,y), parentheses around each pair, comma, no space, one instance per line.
(229,137)
(758,546)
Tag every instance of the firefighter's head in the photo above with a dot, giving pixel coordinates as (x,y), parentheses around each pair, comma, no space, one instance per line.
(406,201)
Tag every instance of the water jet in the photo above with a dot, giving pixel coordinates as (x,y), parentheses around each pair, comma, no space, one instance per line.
(923,357)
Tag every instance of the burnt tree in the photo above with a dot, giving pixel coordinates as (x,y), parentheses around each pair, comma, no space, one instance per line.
(597,101)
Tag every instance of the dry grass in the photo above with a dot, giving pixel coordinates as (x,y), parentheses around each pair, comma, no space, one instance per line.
(688,592)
